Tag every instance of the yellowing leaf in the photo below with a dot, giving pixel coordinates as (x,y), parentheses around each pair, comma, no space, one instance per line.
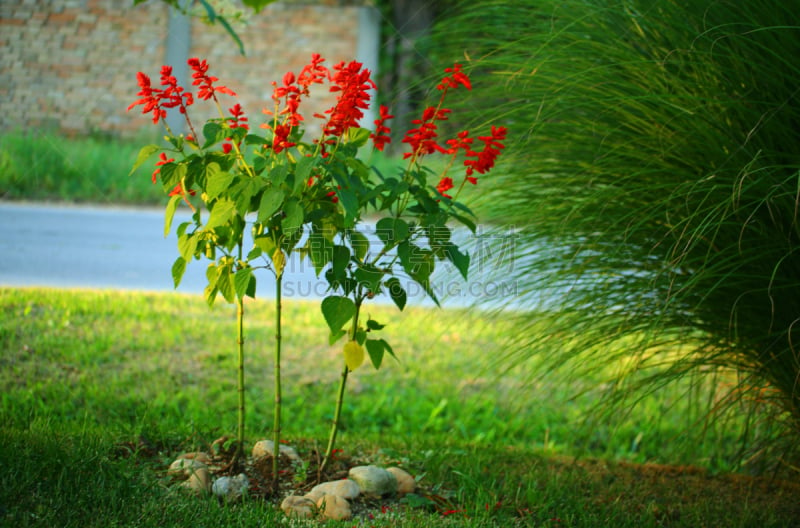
(353,355)
(278,261)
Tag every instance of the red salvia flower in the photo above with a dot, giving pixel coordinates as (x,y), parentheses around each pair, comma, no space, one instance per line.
(151,98)
(381,135)
(162,161)
(491,149)
(445,184)
(312,73)
(423,138)
(173,95)
(456,79)
(462,142)
(290,94)
(352,83)
(280,138)
(206,82)
(238,119)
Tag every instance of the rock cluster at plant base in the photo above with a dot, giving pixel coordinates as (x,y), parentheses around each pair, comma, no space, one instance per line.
(331,499)
(328,500)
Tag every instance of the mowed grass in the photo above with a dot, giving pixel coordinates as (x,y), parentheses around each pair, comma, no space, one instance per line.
(101,390)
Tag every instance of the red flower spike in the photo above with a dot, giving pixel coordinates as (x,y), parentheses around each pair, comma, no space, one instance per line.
(313,73)
(151,98)
(445,184)
(280,138)
(352,83)
(490,152)
(422,139)
(381,135)
(239,120)
(206,82)
(456,79)
(462,142)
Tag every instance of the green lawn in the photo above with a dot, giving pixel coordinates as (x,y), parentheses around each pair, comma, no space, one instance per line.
(100,390)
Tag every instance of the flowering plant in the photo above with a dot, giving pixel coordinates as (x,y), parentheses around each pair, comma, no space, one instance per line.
(310,196)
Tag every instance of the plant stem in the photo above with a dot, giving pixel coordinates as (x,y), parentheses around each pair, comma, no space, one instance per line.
(340,397)
(276,427)
(240,343)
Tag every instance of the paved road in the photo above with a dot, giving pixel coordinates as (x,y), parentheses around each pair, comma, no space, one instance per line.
(124,248)
(99,247)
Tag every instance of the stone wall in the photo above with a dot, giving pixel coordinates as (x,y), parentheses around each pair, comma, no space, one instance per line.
(70,65)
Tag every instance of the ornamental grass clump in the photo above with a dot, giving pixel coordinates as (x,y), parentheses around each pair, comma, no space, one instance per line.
(658,194)
(304,197)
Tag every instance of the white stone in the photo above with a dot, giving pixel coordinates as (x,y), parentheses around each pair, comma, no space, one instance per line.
(199,481)
(264,448)
(405,482)
(184,467)
(344,488)
(373,480)
(230,488)
(299,507)
(334,507)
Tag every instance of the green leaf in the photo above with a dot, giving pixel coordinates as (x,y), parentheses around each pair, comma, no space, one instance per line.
(349,202)
(341,257)
(271,202)
(459,259)
(303,170)
(241,281)
(225,282)
(465,221)
(335,336)
(254,253)
(369,277)
(217,181)
(396,292)
(374,325)
(255,139)
(320,251)
(375,349)
(144,154)
(358,137)
(360,243)
(213,133)
(251,287)
(337,312)
(178,269)
(187,245)
(169,213)
(171,174)
(294,216)
(391,231)
(210,293)
(265,244)
(221,213)
(277,175)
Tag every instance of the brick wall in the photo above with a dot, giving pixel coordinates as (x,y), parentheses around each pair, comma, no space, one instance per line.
(70,65)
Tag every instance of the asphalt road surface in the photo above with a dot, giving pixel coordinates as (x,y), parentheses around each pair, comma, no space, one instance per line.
(67,246)
(107,247)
